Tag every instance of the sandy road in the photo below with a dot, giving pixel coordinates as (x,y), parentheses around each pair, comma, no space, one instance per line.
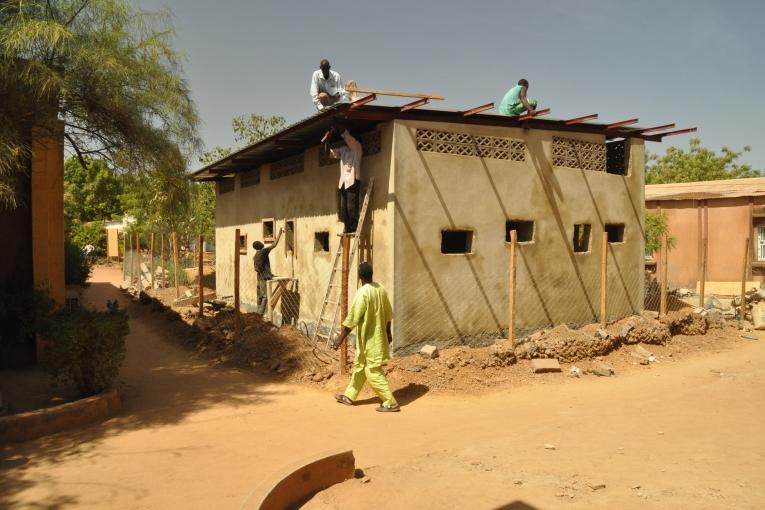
(193,436)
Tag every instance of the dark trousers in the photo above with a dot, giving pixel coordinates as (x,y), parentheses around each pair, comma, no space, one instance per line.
(349,207)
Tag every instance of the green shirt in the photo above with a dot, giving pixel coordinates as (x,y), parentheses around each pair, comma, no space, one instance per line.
(512,98)
(370,313)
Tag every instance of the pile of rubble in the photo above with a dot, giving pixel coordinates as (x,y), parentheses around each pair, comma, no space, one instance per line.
(568,345)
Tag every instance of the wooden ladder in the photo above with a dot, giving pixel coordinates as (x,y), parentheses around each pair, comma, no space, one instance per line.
(326,324)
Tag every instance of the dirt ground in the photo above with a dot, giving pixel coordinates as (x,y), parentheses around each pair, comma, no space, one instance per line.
(682,432)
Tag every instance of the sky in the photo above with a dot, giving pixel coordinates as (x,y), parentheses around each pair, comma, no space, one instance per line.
(695,63)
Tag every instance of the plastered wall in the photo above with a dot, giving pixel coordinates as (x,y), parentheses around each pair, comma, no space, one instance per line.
(441,297)
(307,198)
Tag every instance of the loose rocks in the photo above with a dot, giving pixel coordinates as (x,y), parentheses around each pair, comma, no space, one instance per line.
(429,351)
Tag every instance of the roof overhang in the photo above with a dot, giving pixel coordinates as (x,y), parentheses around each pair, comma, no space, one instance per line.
(308,132)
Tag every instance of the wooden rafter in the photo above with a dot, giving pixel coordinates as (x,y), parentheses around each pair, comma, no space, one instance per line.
(656,128)
(364,100)
(414,104)
(537,113)
(677,132)
(621,123)
(579,120)
(478,109)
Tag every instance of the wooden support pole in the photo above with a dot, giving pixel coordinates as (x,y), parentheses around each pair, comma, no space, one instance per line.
(742,310)
(151,261)
(162,259)
(201,272)
(130,263)
(346,245)
(124,255)
(175,266)
(704,253)
(700,240)
(237,318)
(511,288)
(604,281)
(664,264)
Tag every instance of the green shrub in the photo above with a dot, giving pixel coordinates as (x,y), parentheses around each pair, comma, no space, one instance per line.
(93,232)
(86,347)
(77,266)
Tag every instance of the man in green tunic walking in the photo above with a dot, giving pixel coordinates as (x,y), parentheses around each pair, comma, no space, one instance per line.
(371,315)
(515,101)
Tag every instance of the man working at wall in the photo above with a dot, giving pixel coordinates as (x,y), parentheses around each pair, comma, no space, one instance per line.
(371,315)
(263,268)
(349,186)
(326,87)
(515,101)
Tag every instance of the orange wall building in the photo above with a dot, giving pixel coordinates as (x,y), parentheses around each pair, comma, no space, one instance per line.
(724,214)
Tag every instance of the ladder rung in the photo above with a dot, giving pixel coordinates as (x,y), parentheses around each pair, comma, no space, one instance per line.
(332,303)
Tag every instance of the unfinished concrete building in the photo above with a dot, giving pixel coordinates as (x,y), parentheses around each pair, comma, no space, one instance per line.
(449,187)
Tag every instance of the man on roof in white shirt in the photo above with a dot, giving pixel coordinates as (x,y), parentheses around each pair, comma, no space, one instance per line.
(326,87)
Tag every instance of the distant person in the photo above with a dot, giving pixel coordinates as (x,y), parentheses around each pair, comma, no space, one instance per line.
(515,101)
(349,186)
(327,87)
(371,314)
(263,268)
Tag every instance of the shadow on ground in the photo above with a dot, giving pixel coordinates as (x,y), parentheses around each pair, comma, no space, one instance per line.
(404,396)
(160,385)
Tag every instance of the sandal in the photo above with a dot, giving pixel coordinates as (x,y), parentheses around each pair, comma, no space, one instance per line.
(342,399)
(392,409)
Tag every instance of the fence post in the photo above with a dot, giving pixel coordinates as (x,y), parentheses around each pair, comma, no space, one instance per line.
(237,319)
(664,264)
(162,258)
(511,288)
(346,244)
(124,256)
(130,264)
(201,272)
(604,281)
(151,262)
(175,266)
(742,310)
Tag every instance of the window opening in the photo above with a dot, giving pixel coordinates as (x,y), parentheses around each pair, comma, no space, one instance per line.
(615,232)
(243,244)
(268,230)
(524,230)
(321,242)
(456,241)
(761,242)
(289,233)
(582,237)
(616,160)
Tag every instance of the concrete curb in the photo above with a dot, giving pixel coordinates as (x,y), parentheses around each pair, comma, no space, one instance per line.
(296,483)
(31,425)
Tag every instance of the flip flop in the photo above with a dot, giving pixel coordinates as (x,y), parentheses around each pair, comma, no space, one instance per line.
(342,399)
(392,409)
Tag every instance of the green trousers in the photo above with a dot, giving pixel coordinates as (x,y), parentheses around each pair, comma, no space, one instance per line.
(519,108)
(375,376)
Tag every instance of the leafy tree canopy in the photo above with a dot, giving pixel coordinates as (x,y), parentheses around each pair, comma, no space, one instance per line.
(106,70)
(91,192)
(696,164)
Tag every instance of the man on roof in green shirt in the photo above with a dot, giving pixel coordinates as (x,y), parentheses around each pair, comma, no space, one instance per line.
(515,101)
(371,315)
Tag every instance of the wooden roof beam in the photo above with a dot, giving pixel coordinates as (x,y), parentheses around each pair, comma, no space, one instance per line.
(537,113)
(414,104)
(478,109)
(579,120)
(677,132)
(394,93)
(622,123)
(364,100)
(654,129)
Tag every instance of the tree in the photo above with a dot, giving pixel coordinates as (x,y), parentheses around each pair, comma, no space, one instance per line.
(247,130)
(91,192)
(655,228)
(697,164)
(106,70)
